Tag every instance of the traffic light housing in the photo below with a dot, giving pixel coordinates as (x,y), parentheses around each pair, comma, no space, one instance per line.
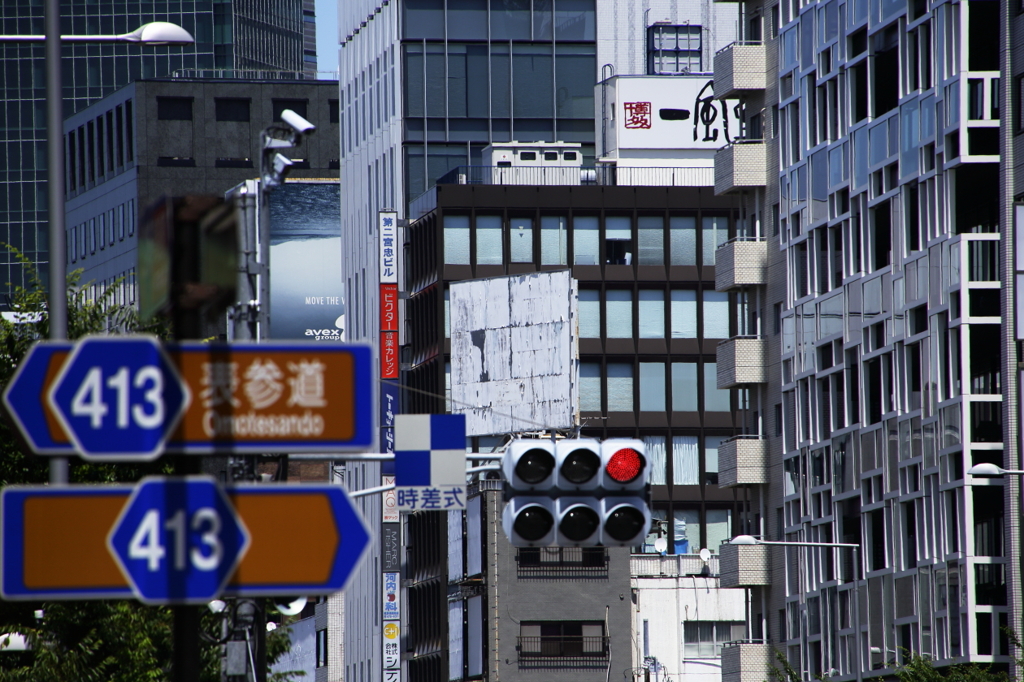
(576,493)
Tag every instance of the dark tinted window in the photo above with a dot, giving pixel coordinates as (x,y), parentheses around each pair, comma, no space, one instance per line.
(333,104)
(299,106)
(174,108)
(232,108)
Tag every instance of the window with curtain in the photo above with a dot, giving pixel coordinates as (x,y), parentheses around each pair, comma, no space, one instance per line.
(684,386)
(618,240)
(489,249)
(652,314)
(719,528)
(652,386)
(651,240)
(589,310)
(716,314)
(686,530)
(586,240)
(655,446)
(520,232)
(715,233)
(685,461)
(704,639)
(620,387)
(553,240)
(682,232)
(619,313)
(711,444)
(590,387)
(684,314)
(715,400)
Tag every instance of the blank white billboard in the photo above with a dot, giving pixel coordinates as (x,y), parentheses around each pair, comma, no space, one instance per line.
(515,355)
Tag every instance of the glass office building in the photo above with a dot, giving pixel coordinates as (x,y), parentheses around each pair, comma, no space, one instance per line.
(231,36)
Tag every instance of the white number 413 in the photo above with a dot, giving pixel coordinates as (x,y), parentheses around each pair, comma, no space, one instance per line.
(147,541)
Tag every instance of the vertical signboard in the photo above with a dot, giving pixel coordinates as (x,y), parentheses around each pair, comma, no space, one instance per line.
(305,240)
(391,578)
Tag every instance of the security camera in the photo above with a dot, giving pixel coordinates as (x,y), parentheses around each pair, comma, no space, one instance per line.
(282,163)
(298,124)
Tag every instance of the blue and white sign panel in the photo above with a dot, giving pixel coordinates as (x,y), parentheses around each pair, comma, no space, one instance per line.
(178,540)
(118,398)
(25,398)
(430,461)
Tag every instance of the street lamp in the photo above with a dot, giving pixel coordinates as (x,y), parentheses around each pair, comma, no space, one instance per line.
(153,33)
(987,470)
(751,540)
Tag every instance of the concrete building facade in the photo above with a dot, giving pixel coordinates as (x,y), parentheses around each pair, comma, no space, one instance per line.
(875,348)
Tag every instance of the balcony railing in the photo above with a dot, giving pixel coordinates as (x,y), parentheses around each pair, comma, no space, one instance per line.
(745,565)
(556,651)
(743,460)
(562,562)
(742,261)
(741,361)
(748,661)
(671,565)
(741,165)
(740,66)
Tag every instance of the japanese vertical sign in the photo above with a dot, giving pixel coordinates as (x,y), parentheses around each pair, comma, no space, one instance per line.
(388,295)
(391,582)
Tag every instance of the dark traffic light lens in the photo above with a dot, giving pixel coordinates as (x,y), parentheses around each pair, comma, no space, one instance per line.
(579,523)
(533,523)
(624,523)
(535,465)
(580,466)
(625,465)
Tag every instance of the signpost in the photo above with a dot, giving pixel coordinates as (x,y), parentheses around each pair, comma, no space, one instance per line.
(54,542)
(430,461)
(118,397)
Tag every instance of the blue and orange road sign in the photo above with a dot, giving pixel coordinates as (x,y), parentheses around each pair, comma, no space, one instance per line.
(54,541)
(127,399)
(26,403)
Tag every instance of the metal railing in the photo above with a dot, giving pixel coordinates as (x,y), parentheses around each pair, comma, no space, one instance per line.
(563,646)
(739,42)
(562,562)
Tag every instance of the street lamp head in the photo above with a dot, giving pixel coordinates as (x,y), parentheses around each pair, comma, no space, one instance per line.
(986,470)
(159,33)
(744,540)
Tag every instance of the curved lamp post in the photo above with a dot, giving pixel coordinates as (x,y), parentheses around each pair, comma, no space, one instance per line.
(153,33)
(992,471)
(751,540)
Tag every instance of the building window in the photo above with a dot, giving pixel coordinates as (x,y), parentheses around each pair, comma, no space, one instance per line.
(174,108)
(652,386)
(553,240)
(334,115)
(489,249)
(553,562)
(715,400)
(563,639)
(589,313)
(682,240)
(651,232)
(521,239)
(684,380)
(585,240)
(705,639)
(590,387)
(673,49)
(456,240)
(321,648)
(716,233)
(619,314)
(232,108)
(685,467)
(652,314)
(618,240)
(655,446)
(299,106)
(716,314)
(684,314)
(620,387)
(711,444)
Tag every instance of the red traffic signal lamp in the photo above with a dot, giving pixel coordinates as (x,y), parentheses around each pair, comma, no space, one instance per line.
(576,493)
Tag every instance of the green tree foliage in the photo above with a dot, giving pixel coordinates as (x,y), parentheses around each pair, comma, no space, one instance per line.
(83,641)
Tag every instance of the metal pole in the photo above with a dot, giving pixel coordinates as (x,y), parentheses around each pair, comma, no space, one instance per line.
(856,614)
(57,304)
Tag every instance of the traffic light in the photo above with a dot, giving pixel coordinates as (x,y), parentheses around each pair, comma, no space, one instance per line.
(576,493)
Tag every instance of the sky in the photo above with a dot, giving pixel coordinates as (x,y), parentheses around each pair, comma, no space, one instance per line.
(327,37)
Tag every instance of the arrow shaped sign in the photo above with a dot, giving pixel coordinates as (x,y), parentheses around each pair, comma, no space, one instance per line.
(304,540)
(26,402)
